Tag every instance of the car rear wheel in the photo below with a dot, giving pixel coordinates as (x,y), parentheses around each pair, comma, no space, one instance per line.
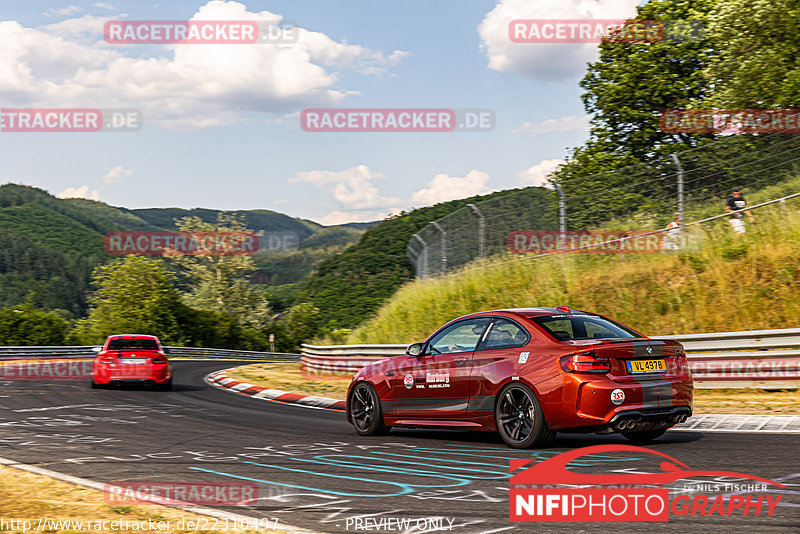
(643,436)
(365,411)
(519,418)
(165,386)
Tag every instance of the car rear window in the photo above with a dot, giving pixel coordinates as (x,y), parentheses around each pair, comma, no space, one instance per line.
(132,344)
(571,326)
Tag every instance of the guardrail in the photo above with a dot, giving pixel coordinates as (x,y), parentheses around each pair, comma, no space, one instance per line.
(768,359)
(51,353)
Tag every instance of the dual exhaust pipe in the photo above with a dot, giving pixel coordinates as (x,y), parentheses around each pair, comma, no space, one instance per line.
(626,424)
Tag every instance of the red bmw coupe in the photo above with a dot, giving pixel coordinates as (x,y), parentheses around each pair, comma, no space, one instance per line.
(132,359)
(528,373)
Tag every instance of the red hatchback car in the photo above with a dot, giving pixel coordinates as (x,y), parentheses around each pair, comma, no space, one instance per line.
(528,373)
(132,359)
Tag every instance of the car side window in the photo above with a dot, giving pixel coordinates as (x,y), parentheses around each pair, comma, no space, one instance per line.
(561,329)
(505,334)
(460,337)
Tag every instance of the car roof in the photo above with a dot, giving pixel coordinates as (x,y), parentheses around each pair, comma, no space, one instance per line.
(528,312)
(133,336)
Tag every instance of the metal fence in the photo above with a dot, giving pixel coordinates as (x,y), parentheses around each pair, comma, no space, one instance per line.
(768,359)
(695,183)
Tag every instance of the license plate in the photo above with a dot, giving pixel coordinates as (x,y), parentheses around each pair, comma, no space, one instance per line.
(646,366)
(132,361)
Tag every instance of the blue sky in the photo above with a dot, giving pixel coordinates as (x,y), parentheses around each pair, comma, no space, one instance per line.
(221,122)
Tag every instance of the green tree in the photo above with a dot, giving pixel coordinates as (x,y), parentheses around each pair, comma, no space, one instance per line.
(758,64)
(219,282)
(134,295)
(25,325)
(302,323)
(631,84)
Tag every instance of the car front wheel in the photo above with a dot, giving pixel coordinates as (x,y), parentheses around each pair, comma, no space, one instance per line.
(519,418)
(365,411)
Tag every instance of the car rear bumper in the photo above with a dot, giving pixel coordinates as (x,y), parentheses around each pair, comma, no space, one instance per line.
(154,374)
(601,402)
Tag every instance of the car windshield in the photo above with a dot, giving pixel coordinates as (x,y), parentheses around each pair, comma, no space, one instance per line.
(573,326)
(132,344)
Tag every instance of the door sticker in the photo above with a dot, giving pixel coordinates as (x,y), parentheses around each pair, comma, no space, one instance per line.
(408,381)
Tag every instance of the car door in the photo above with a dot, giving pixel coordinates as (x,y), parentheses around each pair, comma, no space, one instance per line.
(501,350)
(435,384)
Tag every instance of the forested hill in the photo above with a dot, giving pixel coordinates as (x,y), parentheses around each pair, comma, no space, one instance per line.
(50,245)
(351,286)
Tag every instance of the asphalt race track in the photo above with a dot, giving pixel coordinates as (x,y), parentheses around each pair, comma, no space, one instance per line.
(316,473)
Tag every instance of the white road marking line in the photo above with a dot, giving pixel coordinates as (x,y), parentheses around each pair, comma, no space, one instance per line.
(51,408)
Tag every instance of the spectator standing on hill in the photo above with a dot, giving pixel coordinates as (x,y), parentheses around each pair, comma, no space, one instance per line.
(736,204)
(671,235)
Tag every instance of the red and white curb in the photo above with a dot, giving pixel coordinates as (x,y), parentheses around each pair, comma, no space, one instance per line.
(221,380)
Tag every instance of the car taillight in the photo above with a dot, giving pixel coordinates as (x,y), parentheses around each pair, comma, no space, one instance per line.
(159,359)
(585,362)
(105,359)
(682,362)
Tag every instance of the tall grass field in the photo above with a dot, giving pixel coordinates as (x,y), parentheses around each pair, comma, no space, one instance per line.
(717,282)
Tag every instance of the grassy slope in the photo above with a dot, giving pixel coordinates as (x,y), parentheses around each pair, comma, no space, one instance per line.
(722,283)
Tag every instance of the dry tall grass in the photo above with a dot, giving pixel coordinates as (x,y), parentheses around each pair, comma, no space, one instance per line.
(720,282)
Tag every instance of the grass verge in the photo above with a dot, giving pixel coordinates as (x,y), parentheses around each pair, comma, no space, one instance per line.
(288,377)
(60,506)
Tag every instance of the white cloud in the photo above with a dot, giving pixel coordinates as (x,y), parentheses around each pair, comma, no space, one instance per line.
(280,202)
(79,192)
(115,173)
(352,187)
(444,187)
(103,5)
(186,86)
(83,30)
(545,61)
(571,123)
(64,11)
(537,175)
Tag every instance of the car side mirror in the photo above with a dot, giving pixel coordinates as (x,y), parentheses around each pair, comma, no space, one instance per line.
(415,349)
(97,349)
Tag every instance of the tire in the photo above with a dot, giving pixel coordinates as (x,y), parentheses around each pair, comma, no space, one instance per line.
(643,436)
(166,386)
(95,385)
(365,411)
(519,418)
